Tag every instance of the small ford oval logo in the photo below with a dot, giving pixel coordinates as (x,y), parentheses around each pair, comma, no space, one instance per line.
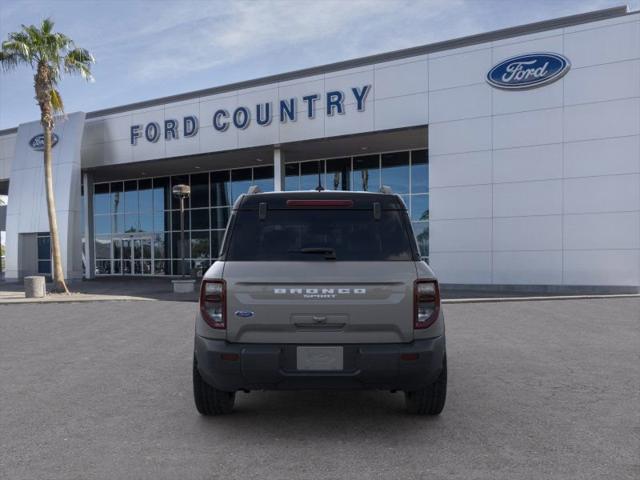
(244,313)
(528,71)
(37,142)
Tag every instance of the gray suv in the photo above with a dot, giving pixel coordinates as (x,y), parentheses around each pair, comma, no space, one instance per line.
(319,290)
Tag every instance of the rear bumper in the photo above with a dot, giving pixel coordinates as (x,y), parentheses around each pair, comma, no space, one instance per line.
(273,367)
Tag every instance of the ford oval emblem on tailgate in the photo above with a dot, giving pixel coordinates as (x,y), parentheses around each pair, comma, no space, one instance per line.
(244,313)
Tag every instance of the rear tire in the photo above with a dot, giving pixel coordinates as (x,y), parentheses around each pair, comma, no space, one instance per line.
(431,399)
(209,400)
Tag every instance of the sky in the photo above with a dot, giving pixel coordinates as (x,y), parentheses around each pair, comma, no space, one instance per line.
(150,49)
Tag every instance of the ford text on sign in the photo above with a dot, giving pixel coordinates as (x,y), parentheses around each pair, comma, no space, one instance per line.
(528,71)
(286,110)
(37,142)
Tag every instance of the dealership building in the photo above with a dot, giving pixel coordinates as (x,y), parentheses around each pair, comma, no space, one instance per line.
(517,153)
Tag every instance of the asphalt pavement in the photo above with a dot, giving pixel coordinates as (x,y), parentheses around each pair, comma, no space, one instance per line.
(537,390)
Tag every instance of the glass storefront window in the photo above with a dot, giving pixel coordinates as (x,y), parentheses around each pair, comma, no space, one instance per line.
(162,267)
(420,207)
(161,221)
(103,247)
(131,223)
(200,190)
(145,195)
(177,266)
(175,245)
(220,192)
(421,231)
(144,211)
(103,267)
(146,222)
(339,174)
(200,266)
(200,219)
(200,245)
(160,245)
(395,171)
(219,217)
(312,173)
(102,224)
(366,173)
(117,248)
(292,176)
(263,178)
(117,223)
(175,220)
(161,194)
(101,199)
(419,171)
(117,193)
(240,182)
(216,242)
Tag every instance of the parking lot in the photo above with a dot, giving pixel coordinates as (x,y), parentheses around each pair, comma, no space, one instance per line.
(541,389)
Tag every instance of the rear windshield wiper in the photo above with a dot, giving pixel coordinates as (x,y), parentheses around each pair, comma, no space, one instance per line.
(329,253)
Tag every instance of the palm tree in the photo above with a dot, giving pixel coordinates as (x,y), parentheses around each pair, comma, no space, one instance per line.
(49,54)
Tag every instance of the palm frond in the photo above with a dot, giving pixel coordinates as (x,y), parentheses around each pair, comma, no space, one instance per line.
(79,61)
(9,61)
(16,47)
(63,42)
(56,101)
(47,26)
(34,34)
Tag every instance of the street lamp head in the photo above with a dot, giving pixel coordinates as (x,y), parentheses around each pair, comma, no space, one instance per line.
(181,191)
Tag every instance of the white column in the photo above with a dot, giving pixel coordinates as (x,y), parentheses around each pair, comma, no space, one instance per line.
(87,200)
(278,170)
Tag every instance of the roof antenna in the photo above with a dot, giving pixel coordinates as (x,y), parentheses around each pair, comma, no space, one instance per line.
(319,188)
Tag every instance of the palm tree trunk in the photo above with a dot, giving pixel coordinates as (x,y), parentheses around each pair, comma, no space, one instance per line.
(59,284)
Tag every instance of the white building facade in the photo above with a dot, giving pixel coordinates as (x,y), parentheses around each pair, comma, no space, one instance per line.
(517,153)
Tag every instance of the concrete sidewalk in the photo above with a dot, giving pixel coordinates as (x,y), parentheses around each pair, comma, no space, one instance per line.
(145,289)
(103,289)
(9,297)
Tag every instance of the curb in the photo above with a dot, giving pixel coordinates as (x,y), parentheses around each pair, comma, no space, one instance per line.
(45,300)
(19,301)
(537,299)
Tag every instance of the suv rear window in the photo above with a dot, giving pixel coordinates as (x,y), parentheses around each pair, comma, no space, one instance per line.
(307,234)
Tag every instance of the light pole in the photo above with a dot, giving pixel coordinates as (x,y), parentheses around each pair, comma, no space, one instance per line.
(182,192)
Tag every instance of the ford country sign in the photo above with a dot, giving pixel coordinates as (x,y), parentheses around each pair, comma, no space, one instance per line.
(528,71)
(37,142)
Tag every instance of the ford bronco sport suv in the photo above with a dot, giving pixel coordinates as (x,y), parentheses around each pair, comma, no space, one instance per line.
(319,290)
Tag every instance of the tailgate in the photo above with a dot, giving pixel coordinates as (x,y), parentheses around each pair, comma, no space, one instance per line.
(319,302)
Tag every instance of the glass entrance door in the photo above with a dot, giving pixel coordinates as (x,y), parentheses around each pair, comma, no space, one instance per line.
(142,261)
(133,256)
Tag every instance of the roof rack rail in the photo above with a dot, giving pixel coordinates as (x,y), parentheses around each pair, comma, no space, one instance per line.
(386,189)
(253,189)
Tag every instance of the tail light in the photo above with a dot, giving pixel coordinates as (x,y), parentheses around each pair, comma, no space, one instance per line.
(213,303)
(426,303)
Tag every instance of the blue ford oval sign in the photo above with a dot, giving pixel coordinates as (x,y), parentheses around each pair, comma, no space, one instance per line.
(37,142)
(244,313)
(528,71)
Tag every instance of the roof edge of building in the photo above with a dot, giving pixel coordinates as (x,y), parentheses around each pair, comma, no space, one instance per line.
(509,32)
